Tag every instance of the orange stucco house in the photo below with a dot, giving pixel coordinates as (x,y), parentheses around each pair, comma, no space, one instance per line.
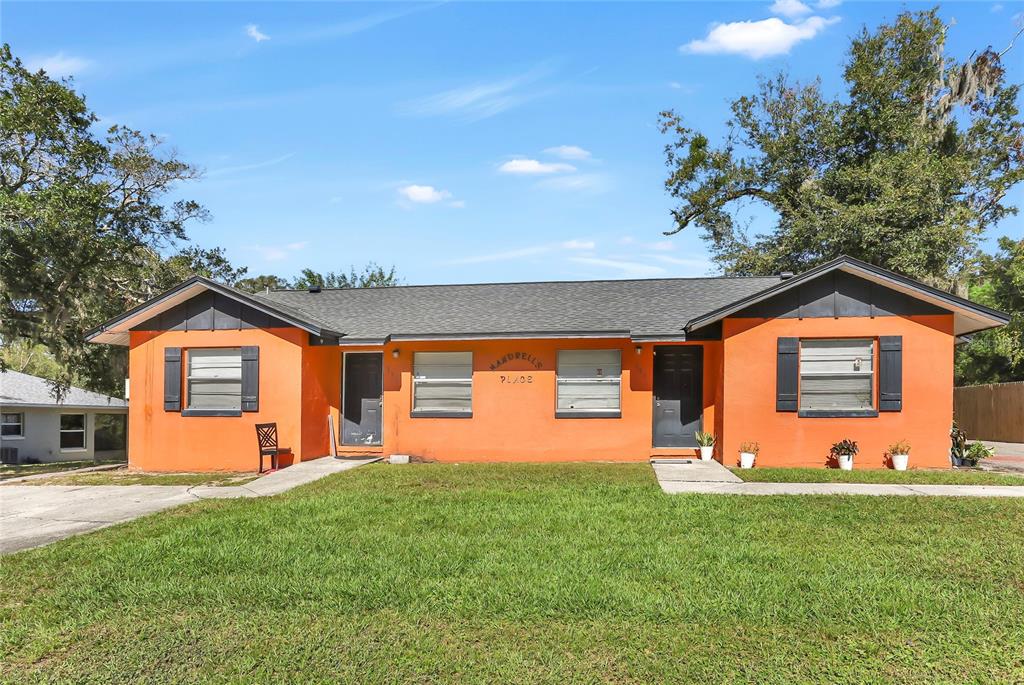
(585,370)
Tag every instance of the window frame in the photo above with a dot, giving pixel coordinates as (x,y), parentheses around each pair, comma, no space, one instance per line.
(833,413)
(84,430)
(20,435)
(607,380)
(420,382)
(186,396)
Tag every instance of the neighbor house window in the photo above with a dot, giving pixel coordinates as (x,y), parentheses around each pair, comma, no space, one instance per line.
(837,375)
(589,383)
(215,379)
(12,426)
(442,384)
(72,431)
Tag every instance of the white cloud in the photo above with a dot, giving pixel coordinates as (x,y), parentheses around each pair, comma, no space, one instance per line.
(529,251)
(533,167)
(477,101)
(790,8)
(828,4)
(423,195)
(695,266)
(58,65)
(276,253)
(595,183)
(568,152)
(757,39)
(996,8)
(457,204)
(253,31)
(503,256)
(222,171)
(626,268)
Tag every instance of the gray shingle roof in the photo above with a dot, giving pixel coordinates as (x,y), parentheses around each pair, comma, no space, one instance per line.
(651,307)
(22,389)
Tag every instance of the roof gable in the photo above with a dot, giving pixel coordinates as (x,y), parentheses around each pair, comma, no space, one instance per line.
(849,287)
(143,317)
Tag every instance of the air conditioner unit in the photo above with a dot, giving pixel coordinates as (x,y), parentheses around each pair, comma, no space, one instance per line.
(9,455)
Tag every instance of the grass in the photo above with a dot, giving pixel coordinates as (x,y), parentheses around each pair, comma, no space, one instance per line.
(911,477)
(9,471)
(125,477)
(526,573)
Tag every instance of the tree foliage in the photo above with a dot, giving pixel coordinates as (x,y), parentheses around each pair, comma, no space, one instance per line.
(372,276)
(997,356)
(905,171)
(84,220)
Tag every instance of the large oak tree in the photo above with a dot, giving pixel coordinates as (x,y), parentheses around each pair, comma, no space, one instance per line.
(906,169)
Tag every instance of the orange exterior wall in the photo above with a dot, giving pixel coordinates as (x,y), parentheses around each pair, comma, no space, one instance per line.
(299,386)
(788,440)
(516,422)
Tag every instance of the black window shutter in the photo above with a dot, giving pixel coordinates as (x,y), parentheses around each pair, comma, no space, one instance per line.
(172,379)
(250,378)
(890,373)
(787,374)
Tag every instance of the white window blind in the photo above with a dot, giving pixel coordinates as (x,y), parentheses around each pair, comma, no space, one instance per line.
(442,382)
(589,382)
(12,425)
(836,375)
(215,378)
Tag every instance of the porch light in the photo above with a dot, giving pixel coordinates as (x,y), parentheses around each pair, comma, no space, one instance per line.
(639,349)
(394,353)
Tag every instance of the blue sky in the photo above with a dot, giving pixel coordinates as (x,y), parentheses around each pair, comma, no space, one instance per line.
(461,141)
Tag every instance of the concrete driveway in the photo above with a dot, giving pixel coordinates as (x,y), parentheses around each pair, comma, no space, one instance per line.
(36,515)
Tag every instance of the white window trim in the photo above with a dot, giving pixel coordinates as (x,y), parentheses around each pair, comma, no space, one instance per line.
(84,430)
(442,413)
(20,424)
(596,380)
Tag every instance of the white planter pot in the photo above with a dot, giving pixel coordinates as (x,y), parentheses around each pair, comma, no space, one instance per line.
(746,460)
(846,462)
(707,452)
(899,461)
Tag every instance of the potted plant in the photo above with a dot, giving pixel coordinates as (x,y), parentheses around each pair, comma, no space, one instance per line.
(899,454)
(958,449)
(844,451)
(976,451)
(706,442)
(748,453)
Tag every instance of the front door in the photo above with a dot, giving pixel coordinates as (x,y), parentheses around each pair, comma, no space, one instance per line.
(362,397)
(678,386)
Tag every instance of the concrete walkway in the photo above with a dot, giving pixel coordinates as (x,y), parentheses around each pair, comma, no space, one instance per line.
(36,515)
(692,471)
(678,486)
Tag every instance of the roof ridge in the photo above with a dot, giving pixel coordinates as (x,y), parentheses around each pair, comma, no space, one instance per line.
(554,282)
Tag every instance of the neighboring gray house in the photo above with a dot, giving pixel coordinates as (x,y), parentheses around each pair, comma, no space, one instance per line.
(34,427)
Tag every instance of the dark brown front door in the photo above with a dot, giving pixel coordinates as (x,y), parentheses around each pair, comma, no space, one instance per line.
(361,403)
(678,386)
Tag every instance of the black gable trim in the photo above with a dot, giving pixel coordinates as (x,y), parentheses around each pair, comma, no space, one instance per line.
(838,294)
(210,311)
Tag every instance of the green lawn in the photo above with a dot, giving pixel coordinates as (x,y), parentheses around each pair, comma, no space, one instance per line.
(911,477)
(9,471)
(125,477)
(537,573)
